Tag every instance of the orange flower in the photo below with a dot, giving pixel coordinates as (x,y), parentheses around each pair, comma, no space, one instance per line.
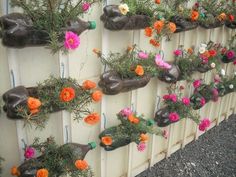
(97,51)
(129,48)
(148,31)
(87,85)
(172,27)
(194,15)
(42,173)
(107,140)
(143,137)
(158,25)
(15,171)
(154,43)
(158,1)
(133,119)
(67,94)
(81,164)
(139,70)
(222,17)
(206,54)
(190,50)
(33,103)
(97,95)
(92,118)
(34,111)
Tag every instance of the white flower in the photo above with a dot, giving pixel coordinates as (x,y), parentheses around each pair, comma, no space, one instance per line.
(231,86)
(202,50)
(124,8)
(213,65)
(235,73)
(203,45)
(222,72)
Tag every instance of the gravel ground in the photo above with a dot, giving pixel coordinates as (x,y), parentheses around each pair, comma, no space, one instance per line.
(212,155)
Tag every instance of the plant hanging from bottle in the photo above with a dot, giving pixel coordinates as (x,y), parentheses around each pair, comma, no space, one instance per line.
(127,71)
(35,103)
(46,22)
(133,128)
(229,52)
(47,159)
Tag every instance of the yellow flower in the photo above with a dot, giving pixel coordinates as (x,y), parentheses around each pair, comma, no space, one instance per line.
(124,9)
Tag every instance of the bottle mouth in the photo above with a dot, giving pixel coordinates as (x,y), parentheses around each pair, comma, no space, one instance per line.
(150,122)
(92,25)
(93,145)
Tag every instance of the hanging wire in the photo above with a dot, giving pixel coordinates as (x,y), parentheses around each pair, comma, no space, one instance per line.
(105,120)
(161,52)
(62,70)
(24,143)
(67,134)
(13,78)
(158,102)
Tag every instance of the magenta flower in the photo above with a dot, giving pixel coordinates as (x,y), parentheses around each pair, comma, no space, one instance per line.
(215,94)
(230,54)
(173,117)
(141,146)
(165,134)
(166,97)
(202,101)
(143,55)
(126,112)
(234,62)
(197,83)
(173,97)
(29,152)
(86,6)
(205,123)
(186,101)
(178,52)
(72,40)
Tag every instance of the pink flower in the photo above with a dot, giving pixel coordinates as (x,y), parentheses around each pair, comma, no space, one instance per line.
(173,97)
(143,55)
(230,54)
(202,101)
(178,52)
(217,78)
(72,40)
(162,64)
(197,83)
(204,59)
(234,62)
(166,97)
(186,101)
(205,123)
(126,112)
(165,134)
(173,117)
(215,94)
(86,6)
(141,146)
(29,152)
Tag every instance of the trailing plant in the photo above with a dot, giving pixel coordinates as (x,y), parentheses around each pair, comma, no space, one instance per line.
(54,16)
(49,159)
(134,63)
(133,128)
(53,94)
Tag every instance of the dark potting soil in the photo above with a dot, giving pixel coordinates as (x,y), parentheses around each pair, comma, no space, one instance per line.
(212,155)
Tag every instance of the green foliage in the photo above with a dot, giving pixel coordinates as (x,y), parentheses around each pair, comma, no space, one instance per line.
(125,64)
(58,160)
(48,92)
(52,16)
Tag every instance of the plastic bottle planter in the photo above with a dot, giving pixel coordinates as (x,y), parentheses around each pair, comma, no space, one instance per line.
(211,25)
(34,104)
(18,31)
(55,160)
(171,75)
(131,129)
(174,109)
(113,19)
(229,56)
(226,87)
(231,24)
(183,24)
(112,83)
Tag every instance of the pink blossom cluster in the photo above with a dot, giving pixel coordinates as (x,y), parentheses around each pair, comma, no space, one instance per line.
(126,112)
(173,116)
(172,97)
(205,123)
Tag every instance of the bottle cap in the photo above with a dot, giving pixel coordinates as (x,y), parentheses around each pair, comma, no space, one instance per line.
(150,122)
(92,25)
(93,145)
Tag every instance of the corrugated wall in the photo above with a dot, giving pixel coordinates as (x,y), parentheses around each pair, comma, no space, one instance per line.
(31,65)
